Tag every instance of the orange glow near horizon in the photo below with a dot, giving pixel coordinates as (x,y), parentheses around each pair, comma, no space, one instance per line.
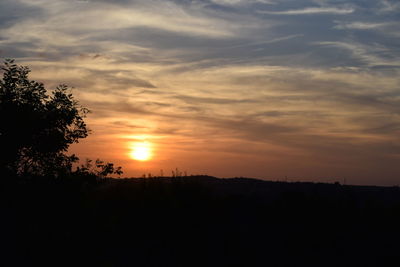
(141,151)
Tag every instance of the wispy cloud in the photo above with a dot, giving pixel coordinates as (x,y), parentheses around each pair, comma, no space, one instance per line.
(274,40)
(269,84)
(311,11)
(387,6)
(362,25)
(242,2)
(373,55)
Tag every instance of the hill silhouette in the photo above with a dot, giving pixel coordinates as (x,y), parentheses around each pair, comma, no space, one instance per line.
(196,221)
(54,215)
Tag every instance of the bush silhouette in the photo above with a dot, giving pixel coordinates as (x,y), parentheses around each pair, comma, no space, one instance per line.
(99,169)
(36,128)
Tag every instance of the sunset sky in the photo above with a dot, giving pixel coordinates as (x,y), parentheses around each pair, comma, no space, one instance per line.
(303,90)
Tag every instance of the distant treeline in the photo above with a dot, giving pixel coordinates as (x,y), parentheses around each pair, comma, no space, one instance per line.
(196,221)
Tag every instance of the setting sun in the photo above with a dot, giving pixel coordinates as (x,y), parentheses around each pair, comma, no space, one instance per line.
(141,151)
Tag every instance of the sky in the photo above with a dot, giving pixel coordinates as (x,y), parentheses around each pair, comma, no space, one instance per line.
(295,90)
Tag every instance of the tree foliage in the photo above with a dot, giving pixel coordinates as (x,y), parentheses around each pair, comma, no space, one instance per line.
(36,128)
(99,169)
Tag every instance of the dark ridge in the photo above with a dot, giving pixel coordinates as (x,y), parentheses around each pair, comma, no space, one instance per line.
(196,221)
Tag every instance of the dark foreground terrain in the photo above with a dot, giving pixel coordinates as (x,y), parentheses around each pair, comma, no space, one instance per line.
(196,221)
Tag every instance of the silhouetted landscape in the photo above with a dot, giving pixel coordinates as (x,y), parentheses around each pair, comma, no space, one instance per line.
(160,120)
(196,221)
(225,93)
(55,211)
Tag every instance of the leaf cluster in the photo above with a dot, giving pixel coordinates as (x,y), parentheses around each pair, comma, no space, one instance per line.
(99,169)
(36,128)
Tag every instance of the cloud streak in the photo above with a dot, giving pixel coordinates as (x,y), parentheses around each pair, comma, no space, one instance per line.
(362,25)
(305,88)
(311,11)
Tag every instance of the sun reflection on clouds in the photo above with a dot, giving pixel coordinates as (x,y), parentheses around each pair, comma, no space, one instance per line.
(222,88)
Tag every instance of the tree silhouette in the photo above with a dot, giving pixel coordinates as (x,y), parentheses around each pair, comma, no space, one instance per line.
(100,169)
(36,128)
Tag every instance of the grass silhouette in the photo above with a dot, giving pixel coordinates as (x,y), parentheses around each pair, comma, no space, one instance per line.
(52,215)
(196,221)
